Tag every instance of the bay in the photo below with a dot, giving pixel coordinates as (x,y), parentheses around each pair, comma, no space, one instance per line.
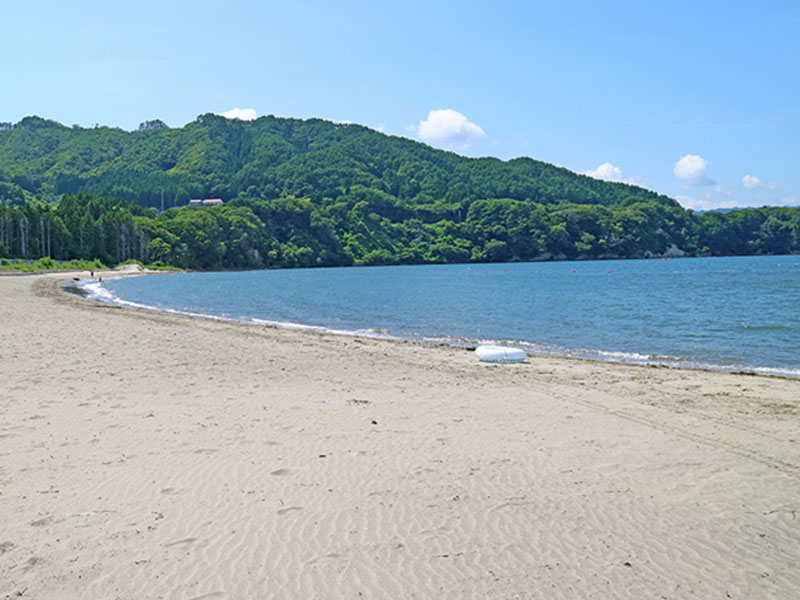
(733,313)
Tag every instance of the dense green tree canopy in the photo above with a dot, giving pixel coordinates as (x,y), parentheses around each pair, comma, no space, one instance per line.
(305,193)
(273,157)
(293,232)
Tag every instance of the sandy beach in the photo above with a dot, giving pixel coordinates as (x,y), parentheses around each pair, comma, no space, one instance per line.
(145,455)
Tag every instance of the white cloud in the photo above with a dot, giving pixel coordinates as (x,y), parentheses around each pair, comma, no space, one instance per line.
(750,182)
(606,172)
(692,169)
(687,202)
(380,127)
(450,129)
(244,114)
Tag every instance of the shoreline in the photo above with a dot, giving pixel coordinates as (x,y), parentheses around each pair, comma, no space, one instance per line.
(572,354)
(152,455)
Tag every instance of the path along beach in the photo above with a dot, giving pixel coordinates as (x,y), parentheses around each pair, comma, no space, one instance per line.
(145,455)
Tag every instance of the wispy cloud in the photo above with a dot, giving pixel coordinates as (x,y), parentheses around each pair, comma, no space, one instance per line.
(751,182)
(709,202)
(450,129)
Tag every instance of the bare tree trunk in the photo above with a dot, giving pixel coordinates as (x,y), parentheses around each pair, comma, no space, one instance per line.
(41,235)
(23,231)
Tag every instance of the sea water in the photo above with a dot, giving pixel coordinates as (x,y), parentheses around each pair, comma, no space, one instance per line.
(740,313)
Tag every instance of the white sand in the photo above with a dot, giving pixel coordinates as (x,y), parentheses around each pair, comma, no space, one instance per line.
(153,456)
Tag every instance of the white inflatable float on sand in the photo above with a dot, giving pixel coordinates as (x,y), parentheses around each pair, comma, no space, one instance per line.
(500,354)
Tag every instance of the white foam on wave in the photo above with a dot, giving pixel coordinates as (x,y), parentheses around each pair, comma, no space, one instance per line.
(97,291)
(371,333)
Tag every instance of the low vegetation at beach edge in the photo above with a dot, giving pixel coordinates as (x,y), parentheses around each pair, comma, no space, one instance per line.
(48,264)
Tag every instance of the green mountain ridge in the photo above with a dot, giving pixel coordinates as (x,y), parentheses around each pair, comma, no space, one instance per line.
(317,193)
(272,157)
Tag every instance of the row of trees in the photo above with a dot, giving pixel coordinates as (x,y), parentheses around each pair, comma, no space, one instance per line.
(373,228)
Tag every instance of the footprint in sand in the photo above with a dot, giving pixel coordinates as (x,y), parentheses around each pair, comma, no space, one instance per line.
(6,546)
(288,509)
(180,542)
(32,562)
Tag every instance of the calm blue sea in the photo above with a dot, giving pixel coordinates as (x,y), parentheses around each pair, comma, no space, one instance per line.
(739,313)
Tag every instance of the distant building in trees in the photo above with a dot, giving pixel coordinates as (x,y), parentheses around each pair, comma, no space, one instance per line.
(205,202)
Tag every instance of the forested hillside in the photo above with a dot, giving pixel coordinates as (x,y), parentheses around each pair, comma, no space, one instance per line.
(312,192)
(273,157)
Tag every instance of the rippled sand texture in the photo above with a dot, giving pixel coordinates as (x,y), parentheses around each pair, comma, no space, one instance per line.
(151,456)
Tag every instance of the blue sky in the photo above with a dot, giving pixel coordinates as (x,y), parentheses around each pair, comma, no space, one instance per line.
(697,100)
